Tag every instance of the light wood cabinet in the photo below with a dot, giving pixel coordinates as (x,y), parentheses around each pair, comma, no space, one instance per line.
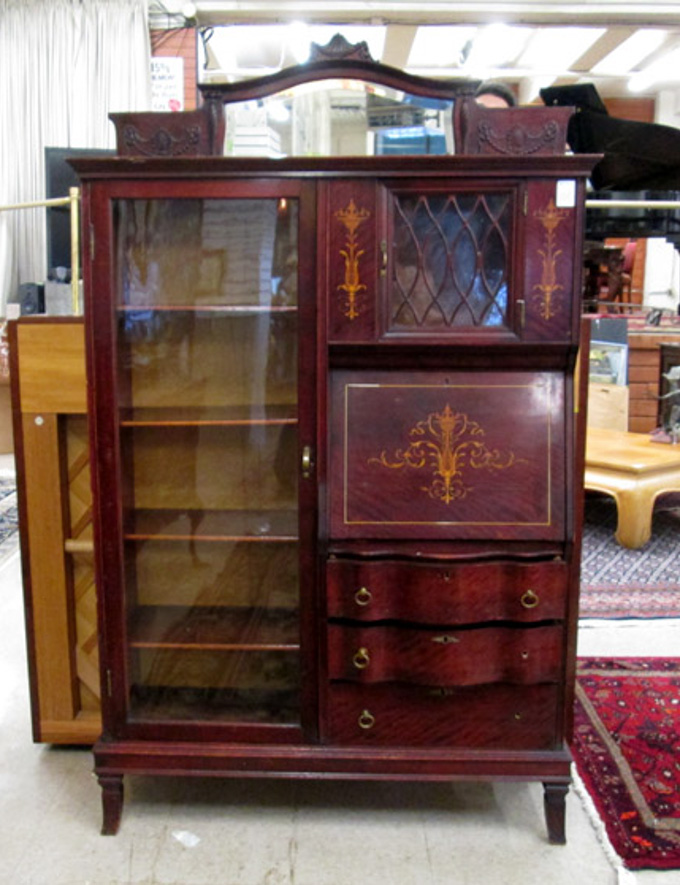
(49,401)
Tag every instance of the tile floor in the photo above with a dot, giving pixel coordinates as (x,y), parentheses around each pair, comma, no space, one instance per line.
(230,832)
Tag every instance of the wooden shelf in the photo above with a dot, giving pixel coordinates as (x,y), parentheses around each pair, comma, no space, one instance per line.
(280,526)
(217,416)
(214,628)
(231,309)
(164,704)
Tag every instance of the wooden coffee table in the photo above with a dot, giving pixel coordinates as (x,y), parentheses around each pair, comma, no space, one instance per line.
(634,471)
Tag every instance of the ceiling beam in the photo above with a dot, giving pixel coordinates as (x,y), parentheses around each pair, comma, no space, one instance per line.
(398,43)
(636,12)
(607,43)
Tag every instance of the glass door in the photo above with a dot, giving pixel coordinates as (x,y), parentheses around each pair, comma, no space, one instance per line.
(207,331)
(450,261)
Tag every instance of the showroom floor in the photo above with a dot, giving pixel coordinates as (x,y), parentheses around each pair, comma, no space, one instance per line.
(238,832)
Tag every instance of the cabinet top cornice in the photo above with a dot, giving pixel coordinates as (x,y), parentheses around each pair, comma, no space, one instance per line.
(454,166)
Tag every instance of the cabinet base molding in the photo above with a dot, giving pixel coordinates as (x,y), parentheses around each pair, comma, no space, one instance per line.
(114,760)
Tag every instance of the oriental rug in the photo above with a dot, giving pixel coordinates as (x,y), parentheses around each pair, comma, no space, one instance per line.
(9,527)
(620,583)
(626,749)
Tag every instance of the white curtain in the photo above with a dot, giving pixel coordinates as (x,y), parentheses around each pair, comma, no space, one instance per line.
(64,66)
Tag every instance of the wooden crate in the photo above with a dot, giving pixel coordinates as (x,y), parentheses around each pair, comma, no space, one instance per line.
(644,363)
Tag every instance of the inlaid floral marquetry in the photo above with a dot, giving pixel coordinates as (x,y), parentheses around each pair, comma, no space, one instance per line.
(448,446)
(546,291)
(351,218)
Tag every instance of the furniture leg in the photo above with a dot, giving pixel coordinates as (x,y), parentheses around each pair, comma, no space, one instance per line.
(634,518)
(112,802)
(554,803)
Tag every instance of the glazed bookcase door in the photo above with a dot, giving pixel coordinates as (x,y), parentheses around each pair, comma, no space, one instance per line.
(207,422)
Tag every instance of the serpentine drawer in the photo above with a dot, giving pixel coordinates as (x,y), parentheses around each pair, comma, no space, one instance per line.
(446,594)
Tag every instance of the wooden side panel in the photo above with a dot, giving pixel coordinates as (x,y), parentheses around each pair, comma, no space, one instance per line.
(444,460)
(49,396)
(44,516)
(52,367)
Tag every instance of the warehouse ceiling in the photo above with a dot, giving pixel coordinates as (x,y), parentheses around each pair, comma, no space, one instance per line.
(625,49)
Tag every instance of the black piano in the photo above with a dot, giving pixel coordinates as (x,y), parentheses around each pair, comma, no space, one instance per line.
(641,161)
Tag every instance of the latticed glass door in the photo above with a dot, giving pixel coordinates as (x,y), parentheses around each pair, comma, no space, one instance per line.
(207,355)
(450,261)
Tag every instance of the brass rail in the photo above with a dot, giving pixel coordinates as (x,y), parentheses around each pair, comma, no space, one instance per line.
(72,201)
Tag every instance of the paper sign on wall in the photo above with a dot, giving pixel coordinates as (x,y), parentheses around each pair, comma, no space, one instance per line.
(167,84)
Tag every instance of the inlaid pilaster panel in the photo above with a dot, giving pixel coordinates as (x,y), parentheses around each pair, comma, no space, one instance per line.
(550,266)
(354,260)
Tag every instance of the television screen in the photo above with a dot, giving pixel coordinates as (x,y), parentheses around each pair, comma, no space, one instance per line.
(59,177)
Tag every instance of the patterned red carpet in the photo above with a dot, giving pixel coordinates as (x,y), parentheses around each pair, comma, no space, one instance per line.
(627,752)
(621,583)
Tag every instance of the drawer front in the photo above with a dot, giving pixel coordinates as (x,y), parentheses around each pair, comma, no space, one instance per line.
(492,717)
(452,657)
(456,594)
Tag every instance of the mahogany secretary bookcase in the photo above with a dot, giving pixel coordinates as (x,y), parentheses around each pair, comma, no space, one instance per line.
(336,466)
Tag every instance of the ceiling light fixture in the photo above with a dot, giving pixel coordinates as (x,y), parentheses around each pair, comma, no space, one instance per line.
(494,46)
(665,70)
(441,45)
(630,52)
(299,41)
(554,50)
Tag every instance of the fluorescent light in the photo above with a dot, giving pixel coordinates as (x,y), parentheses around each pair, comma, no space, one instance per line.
(298,40)
(439,45)
(556,49)
(664,70)
(241,48)
(495,45)
(630,52)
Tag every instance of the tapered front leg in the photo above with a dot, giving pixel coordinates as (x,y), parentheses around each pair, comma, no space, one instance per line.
(112,802)
(554,802)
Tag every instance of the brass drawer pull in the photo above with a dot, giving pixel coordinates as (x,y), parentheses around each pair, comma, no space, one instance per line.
(363,596)
(446,639)
(529,599)
(366,720)
(361,659)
